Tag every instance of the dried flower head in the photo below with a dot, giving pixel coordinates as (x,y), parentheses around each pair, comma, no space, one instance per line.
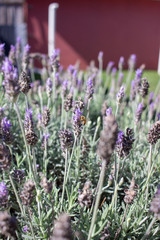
(26,194)
(66,139)
(85,197)
(144,88)
(85,148)
(77,123)
(108,138)
(154,133)
(131,193)
(8,225)
(45,116)
(62,228)
(5,157)
(68,102)
(106,233)
(31,137)
(18,175)
(120,95)
(124,143)
(78,104)
(24,82)
(46,185)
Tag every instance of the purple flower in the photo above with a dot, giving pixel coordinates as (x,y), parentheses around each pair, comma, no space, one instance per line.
(121,63)
(25,229)
(2,49)
(100,56)
(64,87)
(26,49)
(55,58)
(90,90)
(150,98)
(120,138)
(6,124)
(3,193)
(132,61)
(45,139)
(139,112)
(49,82)
(114,71)
(49,87)
(138,74)
(109,67)
(77,115)
(71,69)
(18,175)
(28,122)
(120,95)
(7,66)
(109,111)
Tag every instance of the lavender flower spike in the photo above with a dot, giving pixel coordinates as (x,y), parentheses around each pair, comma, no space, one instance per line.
(121,63)
(6,131)
(77,124)
(100,56)
(3,194)
(109,67)
(120,95)
(109,111)
(132,62)
(139,113)
(90,90)
(49,87)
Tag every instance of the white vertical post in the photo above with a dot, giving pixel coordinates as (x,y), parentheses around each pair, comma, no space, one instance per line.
(159,63)
(51,27)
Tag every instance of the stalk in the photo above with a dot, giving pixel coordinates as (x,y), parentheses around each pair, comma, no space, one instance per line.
(117,108)
(149,169)
(16,194)
(101,179)
(149,229)
(64,180)
(120,228)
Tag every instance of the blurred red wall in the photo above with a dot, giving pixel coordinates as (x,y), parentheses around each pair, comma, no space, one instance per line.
(84,27)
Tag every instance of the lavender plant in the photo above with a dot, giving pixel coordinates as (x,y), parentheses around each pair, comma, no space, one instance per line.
(70,169)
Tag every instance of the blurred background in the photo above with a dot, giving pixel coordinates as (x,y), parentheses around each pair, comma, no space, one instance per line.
(85,27)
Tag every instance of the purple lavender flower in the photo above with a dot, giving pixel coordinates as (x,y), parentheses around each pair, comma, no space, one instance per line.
(138,74)
(25,229)
(12,54)
(2,54)
(114,71)
(139,112)
(133,90)
(6,131)
(120,95)
(55,58)
(150,98)
(28,119)
(3,194)
(25,59)
(90,90)
(109,111)
(45,139)
(109,67)
(71,69)
(49,87)
(132,62)
(121,63)
(120,138)
(100,56)
(77,115)
(64,87)
(7,66)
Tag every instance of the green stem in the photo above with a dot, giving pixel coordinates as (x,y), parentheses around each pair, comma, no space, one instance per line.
(117,108)
(16,194)
(101,179)
(149,229)
(64,180)
(30,223)
(149,168)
